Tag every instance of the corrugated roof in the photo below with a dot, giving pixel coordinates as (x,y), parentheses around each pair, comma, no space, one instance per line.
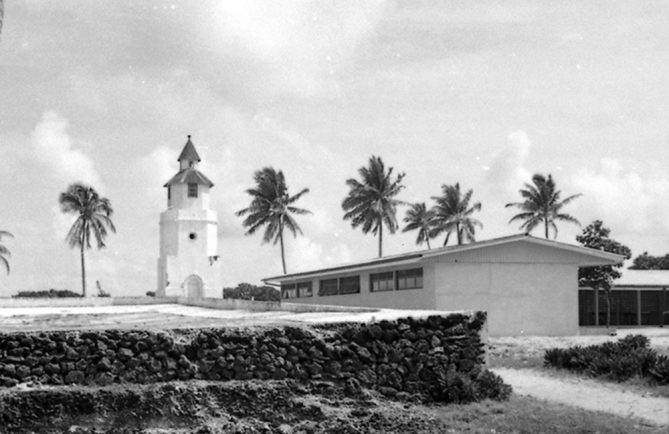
(652,278)
(189,153)
(597,256)
(190,176)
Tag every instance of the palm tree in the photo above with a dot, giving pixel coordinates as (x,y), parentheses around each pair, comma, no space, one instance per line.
(453,213)
(93,218)
(371,202)
(271,205)
(542,205)
(420,218)
(4,251)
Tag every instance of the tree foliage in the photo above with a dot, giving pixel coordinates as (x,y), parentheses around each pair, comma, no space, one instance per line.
(93,220)
(453,214)
(371,201)
(246,291)
(419,218)
(596,236)
(4,251)
(648,262)
(272,207)
(542,205)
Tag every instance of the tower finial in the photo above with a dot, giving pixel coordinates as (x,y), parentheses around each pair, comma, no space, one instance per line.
(189,137)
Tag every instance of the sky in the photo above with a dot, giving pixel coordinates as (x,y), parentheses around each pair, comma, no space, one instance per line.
(483,93)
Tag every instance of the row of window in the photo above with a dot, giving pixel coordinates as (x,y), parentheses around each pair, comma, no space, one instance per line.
(378,282)
(192,190)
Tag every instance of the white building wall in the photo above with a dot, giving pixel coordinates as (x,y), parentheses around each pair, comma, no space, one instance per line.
(520,298)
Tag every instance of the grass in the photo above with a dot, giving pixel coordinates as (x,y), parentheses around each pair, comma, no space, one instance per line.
(527,415)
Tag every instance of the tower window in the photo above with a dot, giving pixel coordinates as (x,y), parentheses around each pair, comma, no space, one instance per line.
(192,190)
(192,235)
(169,192)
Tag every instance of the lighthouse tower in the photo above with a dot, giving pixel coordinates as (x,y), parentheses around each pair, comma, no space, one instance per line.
(188,264)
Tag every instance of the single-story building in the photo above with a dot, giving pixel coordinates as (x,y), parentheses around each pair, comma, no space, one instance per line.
(638,298)
(527,285)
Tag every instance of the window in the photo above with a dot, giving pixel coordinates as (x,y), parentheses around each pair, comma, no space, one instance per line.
(288,290)
(410,279)
(343,285)
(349,285)
(304,289)
(381,282)
(169,192)
(328,287)
(192,189)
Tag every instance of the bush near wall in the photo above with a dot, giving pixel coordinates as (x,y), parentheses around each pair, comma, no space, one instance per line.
(619,361)
(52,293)
(438,356)
(246,291)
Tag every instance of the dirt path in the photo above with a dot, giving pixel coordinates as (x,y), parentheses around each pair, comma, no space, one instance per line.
(587,394)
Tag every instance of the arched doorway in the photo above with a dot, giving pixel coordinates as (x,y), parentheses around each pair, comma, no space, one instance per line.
(193,286)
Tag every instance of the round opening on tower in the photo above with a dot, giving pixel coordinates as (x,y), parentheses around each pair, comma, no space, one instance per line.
(192,235)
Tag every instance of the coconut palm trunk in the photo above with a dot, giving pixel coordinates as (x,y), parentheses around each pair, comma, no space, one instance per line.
(283,254)
(83,269)
(380,237)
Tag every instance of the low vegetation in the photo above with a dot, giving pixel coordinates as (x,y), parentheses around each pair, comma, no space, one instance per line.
(629,357)
(52,293)
(246,291)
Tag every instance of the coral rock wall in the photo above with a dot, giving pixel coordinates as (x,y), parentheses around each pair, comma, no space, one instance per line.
(403,355)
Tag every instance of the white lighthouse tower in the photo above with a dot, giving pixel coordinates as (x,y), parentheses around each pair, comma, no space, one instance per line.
(188,264)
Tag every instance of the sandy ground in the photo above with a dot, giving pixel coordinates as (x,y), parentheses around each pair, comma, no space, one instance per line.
(588,394)
(162,316)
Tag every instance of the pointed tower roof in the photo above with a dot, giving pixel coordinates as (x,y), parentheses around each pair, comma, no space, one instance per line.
(188,173)
(189,153)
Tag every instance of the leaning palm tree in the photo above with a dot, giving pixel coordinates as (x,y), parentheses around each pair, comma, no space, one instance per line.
(453,214)
(93,219)
(419,218)
(272,206)
(4,251)
(371,201)
(542,205)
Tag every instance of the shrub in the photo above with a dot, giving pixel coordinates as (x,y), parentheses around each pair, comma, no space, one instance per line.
(452,386)
(52,293)
(659,372)
(246,291)
(619,361)
(150,293)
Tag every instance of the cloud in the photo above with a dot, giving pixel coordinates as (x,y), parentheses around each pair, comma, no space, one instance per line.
(295,47)
(305,254)
(55,149)
(632,198)
(506,172)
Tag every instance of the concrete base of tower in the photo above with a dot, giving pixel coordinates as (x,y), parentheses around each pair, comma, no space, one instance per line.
(195,278)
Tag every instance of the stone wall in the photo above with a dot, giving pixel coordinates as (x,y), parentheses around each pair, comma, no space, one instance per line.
(403,355)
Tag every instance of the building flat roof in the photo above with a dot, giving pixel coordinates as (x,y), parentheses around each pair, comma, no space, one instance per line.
(648,278)
(597,257)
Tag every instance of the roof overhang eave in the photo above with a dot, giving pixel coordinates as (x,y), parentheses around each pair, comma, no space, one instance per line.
(337,271)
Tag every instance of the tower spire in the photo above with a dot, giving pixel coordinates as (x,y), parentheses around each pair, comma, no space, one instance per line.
(188,156)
